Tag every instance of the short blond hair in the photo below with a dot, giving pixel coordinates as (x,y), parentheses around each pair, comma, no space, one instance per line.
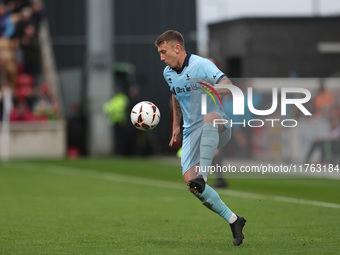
(170,35)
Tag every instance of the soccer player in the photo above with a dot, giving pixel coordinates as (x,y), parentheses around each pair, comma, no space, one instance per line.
(188,76)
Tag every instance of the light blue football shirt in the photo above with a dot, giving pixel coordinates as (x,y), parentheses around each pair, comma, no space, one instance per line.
(185,86)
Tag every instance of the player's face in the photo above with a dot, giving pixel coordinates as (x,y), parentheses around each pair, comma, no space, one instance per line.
(168,52)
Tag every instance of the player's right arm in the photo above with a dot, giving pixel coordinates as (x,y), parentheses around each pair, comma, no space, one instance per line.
(176,124)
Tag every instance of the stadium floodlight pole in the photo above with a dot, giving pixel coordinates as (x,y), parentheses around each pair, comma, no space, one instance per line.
(5,134)
(99,75)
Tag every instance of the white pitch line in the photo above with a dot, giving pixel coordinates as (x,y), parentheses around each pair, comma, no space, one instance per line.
(160,183)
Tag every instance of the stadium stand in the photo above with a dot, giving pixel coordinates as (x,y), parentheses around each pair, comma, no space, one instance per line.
(27,71)
(20,58)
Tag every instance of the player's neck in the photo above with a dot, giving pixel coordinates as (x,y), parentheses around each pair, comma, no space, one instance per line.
(181,60)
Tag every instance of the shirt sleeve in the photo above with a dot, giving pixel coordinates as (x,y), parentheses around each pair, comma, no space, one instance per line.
(212,73)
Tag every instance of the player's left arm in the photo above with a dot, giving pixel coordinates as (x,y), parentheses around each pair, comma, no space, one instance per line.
(223,91)
(213,74)
(220,90)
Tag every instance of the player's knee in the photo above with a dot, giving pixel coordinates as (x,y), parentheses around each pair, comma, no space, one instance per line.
(210,117)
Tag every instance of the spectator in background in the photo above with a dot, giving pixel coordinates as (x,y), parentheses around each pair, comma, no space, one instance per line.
(1,100)
(6,25)
(334,137)
(7,61)
(25,20)
(116,110)
(44,107)
(17,5)
(30,48)
(329,147)
(21,112)
(37,13)
(323,101)
(19,22)
(3,76)
(27,93)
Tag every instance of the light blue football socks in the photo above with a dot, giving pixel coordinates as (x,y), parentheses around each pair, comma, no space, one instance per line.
(209,142)
(212,200)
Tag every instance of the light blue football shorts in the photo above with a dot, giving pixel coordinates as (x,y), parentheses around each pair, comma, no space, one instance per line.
(191,145)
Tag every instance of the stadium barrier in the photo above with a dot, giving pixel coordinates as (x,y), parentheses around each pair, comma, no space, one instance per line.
(36,139)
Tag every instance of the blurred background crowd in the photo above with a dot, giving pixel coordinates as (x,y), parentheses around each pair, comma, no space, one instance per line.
(20,61)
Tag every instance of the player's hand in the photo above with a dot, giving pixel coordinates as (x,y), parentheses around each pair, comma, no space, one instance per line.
(205,85)
(175,135)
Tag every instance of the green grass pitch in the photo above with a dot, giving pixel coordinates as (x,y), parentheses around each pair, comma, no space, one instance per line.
(141,206)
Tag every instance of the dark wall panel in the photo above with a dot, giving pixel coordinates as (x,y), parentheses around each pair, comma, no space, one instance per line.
(278,47)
